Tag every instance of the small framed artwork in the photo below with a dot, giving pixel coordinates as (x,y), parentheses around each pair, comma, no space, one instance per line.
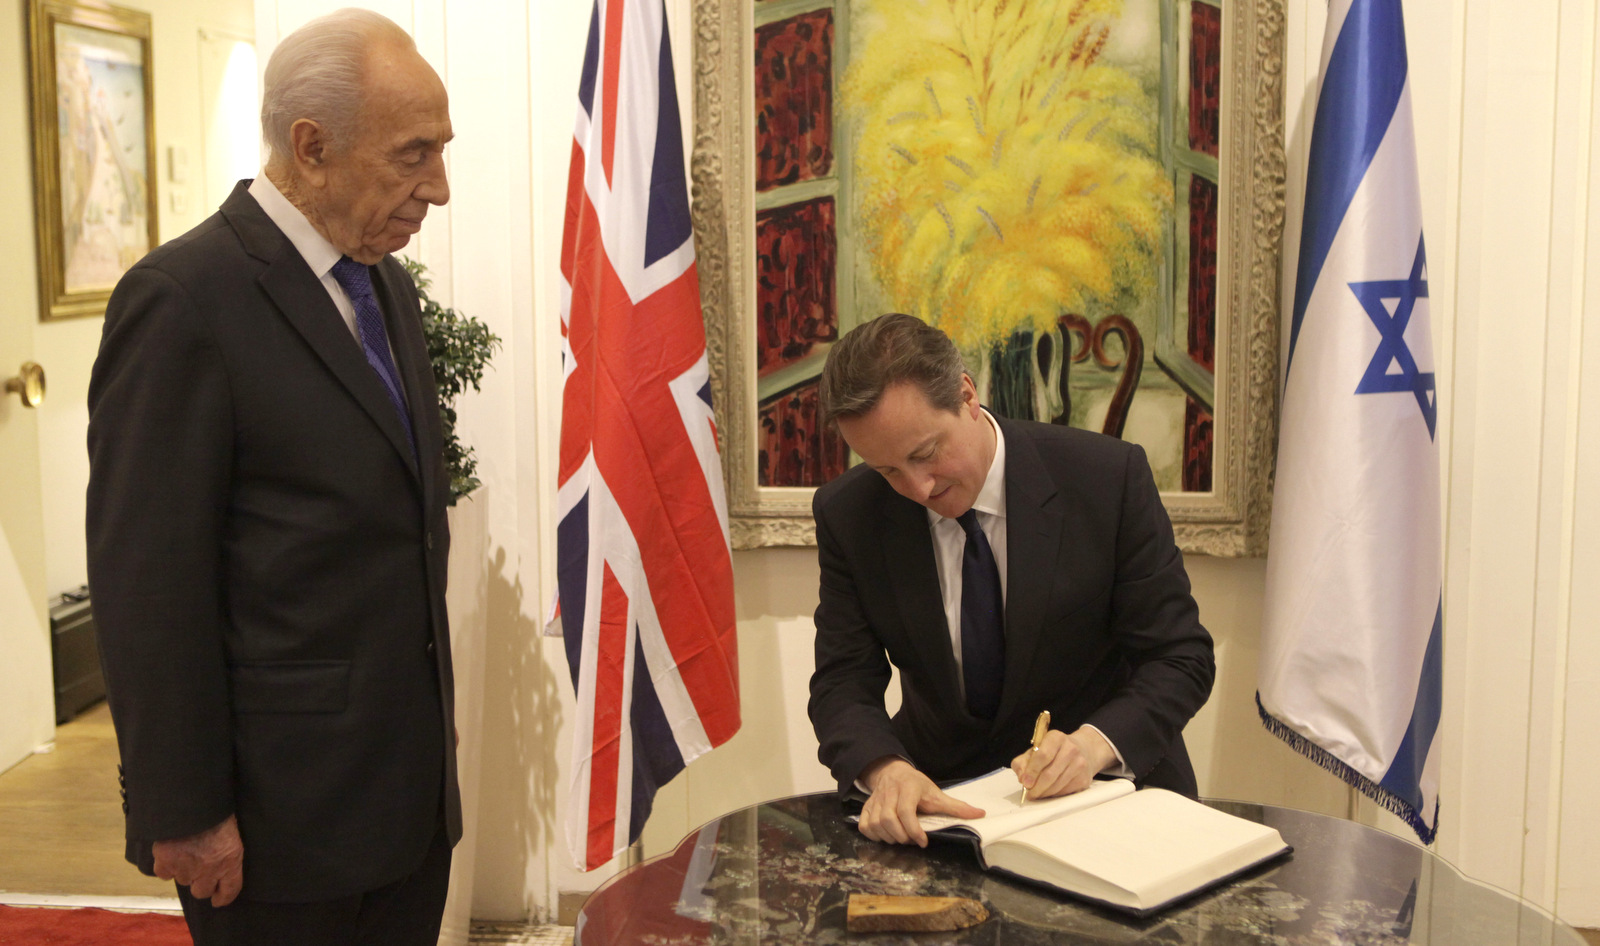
(1086,195)
(93,150)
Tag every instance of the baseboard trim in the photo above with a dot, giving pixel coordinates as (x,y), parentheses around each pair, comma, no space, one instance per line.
(150,904)
(568,903)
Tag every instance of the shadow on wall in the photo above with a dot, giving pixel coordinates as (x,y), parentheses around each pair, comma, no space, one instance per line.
(522,717)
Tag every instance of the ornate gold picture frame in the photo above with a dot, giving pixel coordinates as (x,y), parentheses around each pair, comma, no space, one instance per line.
(1229,516)
(94,153)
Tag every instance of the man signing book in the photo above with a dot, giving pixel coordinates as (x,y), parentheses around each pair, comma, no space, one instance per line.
(1005,567)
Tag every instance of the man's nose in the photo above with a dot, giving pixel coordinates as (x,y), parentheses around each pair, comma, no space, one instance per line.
(923,487)
(435,189)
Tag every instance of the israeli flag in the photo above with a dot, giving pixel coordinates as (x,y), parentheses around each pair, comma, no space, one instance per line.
(1351,639)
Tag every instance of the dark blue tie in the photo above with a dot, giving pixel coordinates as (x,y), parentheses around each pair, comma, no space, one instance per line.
(983,643)
(356,280)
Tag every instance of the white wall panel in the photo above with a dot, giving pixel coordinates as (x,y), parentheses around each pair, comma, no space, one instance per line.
(1574,65)
(1577,868)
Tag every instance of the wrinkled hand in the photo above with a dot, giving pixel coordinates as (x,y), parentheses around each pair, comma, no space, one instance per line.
(210,864)
(1064,763)
(899,794)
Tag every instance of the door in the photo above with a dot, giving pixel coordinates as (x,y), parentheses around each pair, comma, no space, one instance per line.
(27,700)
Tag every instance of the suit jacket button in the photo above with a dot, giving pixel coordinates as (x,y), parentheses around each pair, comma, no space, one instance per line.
(428,541)
(430,648)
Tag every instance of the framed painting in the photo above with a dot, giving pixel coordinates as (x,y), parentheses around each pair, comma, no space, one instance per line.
(93,150)
(1087,195)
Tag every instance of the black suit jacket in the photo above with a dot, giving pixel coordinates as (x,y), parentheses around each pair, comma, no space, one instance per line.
(1100,625)
(267,560)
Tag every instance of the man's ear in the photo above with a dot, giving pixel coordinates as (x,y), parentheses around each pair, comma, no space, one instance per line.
(969,395)
(309,150)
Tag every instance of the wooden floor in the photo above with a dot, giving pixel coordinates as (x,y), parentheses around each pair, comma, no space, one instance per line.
(61,818)
(61,821)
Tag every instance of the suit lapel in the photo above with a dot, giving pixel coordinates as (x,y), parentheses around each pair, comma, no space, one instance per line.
(298,294)
(1033,542)
(908,557)
(403,317)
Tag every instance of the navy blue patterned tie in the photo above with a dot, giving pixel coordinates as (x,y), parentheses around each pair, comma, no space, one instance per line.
(356,280)
(983,643)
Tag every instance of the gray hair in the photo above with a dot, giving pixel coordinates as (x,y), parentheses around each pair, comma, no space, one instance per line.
(891,349)
(318,71)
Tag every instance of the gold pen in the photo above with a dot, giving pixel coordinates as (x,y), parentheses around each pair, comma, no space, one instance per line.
(1040,727)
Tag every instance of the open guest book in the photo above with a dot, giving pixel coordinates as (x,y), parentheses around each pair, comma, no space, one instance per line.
(1136,851)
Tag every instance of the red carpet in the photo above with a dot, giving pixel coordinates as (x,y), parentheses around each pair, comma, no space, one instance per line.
(47,926)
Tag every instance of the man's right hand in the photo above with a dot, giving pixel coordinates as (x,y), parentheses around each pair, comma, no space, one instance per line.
(899,794)
(210,864)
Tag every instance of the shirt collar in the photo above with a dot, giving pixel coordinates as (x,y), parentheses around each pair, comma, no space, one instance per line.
(313,247)
(992,497)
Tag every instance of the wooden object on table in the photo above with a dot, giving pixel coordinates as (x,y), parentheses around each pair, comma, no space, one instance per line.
(872,913)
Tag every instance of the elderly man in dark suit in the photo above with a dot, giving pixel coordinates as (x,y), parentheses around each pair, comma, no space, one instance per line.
(266,522)
(1005,568)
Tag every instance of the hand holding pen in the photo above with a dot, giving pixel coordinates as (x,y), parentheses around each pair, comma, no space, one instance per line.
(1060,763)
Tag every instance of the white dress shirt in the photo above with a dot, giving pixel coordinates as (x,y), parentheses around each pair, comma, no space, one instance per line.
(313,247)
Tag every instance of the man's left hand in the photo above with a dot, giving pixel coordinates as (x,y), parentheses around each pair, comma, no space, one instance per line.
(210,864)
(1064,763)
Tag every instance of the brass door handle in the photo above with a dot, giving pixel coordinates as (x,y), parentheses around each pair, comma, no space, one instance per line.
(28,385)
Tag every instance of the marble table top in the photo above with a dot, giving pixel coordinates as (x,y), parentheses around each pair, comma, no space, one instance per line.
(782,871)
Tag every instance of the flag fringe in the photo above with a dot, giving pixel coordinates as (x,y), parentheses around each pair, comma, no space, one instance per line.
(1391,802)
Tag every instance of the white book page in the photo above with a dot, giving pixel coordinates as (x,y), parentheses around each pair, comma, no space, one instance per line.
(1155,844)
(999,794)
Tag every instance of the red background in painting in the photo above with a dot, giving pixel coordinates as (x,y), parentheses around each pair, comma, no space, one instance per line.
(794,100)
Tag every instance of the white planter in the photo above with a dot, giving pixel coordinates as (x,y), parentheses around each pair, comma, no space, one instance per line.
(467,600)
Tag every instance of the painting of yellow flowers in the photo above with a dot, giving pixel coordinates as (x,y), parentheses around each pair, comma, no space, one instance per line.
(1004,176)
(1047,181)
(1007,172)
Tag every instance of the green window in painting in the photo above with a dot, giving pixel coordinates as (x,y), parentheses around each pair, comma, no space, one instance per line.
(796,238)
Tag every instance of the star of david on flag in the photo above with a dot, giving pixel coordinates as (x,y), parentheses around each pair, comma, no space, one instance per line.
(643,569)
(1352,630)
(1393,366)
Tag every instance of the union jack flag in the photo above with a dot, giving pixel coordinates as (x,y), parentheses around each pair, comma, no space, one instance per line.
(644,574)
